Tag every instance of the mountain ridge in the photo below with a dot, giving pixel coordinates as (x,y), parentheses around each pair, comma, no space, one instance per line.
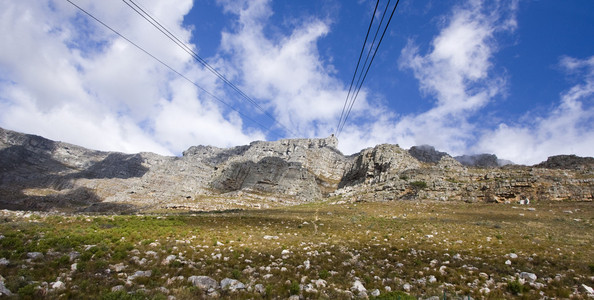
(40,174)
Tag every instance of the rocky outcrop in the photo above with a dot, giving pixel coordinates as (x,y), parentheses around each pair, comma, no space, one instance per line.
(479,160)
(40,174)
(568,162)
(426,153)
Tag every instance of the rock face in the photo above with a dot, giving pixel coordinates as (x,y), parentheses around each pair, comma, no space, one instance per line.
(479,160)
(568,162)
(426,153)
(40,174)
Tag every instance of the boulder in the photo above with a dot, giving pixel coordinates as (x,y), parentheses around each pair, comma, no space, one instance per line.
(231,285)
(203,282)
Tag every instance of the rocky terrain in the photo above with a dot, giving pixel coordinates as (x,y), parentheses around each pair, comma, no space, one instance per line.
(40,174)
(291,219)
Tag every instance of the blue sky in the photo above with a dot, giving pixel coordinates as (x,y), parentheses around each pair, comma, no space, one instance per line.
(513,78)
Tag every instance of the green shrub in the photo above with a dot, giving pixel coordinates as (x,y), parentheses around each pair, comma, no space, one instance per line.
(515,287)
(294,288)
(591,267)
(27,292)
(235,274)
(419,185)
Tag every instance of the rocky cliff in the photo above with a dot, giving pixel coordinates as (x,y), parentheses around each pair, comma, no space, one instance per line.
(40,174)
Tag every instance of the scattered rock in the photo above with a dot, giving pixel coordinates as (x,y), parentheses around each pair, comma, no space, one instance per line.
(35,255)
(203,282)
(508,262)
(587,289)
(530,277)
(118,267)
(140,274)
(232,284)
(270,237)
(168,260)
(320,283)
(73,255)
(306,264)
(358,287)
(58,285)
(309,288)
(259,288)
(4,262)
(3,290)
(406,287)
(375,293)
(118,288)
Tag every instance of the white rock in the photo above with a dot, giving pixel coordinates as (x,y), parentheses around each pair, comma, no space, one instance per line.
(285,252)
(485,290)
(320,283)
(375,293)
(587,289)
(508,262)
(151,253)
(34,255)
(432,279)
(232,284)
(306,264)
(58,285)
(168,260)
(358,287)
(203,282)
(3,290)
(4,262)
(433,263)
(530,277)
(118,267)
(406,287)
(271,237)
(118,288)
(73,267)
(388,288)
(309,288)
(259,288)
(513,256)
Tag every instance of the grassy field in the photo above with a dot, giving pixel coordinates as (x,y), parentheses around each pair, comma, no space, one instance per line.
(316,250)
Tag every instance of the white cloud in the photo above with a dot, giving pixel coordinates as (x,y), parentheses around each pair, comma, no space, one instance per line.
(287,71)
(64,76)
(567,129)
(456,72)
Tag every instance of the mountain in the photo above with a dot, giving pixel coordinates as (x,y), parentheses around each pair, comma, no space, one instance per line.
(40,174)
